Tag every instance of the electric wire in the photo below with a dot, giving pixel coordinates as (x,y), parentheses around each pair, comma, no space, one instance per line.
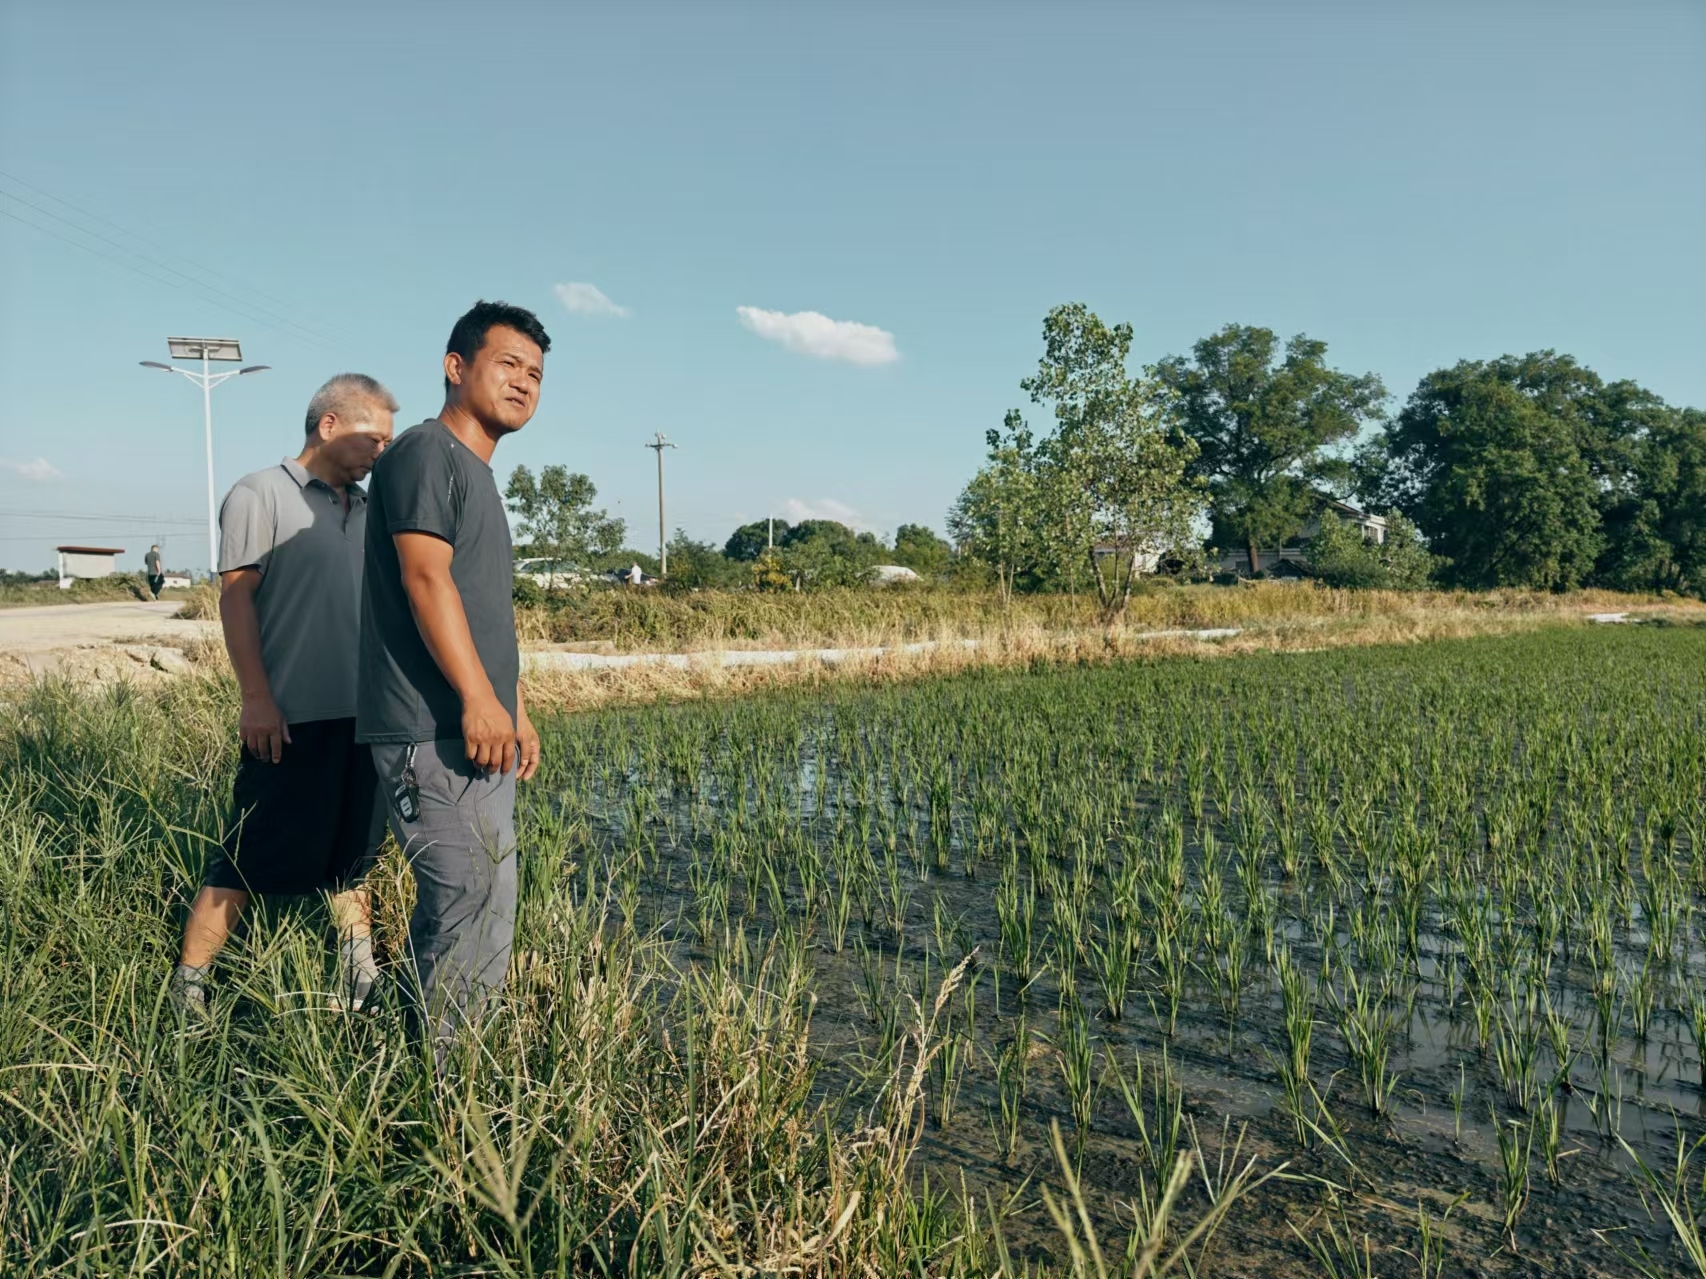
(335,331)
(250,311)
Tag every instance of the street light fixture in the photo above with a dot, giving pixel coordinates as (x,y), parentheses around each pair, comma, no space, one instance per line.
(225,350)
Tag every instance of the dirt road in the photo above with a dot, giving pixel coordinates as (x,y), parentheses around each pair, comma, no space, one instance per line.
(62,636)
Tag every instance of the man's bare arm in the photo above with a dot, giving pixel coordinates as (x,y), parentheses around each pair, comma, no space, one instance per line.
(262,726)
(487,731)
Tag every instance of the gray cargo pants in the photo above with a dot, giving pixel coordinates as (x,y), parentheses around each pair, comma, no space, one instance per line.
(461,846)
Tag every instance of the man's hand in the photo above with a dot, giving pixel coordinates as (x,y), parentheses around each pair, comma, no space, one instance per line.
(488,734)
(528,737)
(262,728)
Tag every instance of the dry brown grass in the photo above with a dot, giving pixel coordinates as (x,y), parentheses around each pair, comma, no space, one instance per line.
(647,622)
(1348,623)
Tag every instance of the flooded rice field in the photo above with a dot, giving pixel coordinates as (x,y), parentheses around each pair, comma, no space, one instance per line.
(1413,933)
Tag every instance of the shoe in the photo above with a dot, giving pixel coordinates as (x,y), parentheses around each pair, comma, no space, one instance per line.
(188,996)
(358,993)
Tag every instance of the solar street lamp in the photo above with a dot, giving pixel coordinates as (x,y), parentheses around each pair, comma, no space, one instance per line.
(207,350)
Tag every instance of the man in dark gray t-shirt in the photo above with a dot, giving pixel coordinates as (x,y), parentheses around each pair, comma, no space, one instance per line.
(439,696)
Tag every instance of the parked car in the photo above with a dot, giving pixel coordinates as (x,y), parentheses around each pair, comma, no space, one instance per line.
(550,573)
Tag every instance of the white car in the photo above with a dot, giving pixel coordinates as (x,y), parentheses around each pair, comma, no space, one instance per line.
(550,573)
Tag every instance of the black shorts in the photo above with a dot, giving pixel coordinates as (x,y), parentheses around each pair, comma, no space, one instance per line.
(311,821)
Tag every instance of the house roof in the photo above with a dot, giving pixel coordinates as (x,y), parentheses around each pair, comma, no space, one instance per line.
(91,550)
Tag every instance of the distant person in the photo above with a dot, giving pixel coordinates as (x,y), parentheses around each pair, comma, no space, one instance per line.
(440,693)
(156,576)
(306,813)
(635,576)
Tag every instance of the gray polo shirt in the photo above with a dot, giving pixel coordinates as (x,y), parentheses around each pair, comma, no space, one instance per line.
(293,528)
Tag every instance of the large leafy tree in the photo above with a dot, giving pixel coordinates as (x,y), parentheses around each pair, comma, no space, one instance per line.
(749,541)
(1000,518)
(1505,466)
(918,548)
(557,518)
(1106,493)
(1116,484)
(1264,422)
(1655,522)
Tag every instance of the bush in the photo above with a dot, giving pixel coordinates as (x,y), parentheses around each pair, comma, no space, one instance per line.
(1339,555)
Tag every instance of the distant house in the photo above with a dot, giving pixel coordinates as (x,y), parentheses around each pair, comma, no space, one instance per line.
(176,579)
(1150,559)
(1292,560)
(86,561)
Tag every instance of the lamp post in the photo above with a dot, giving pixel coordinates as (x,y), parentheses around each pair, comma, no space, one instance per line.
(207,350)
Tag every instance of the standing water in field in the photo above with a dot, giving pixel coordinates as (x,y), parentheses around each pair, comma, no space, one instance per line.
(1419,922)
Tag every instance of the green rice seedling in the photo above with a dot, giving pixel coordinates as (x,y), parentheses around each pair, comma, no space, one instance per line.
(1549,1122)
(1516,1053)
(1111,960)
(1675,1196)
(1516,1140)
(1298,995)
(1696,1019)
(1157,1109)
(1076,1056)
(1430,1253)
(838,911)
(948,1072)
(1016,913)
(1011,1074)
(1367,1031)
(1642,995)
(1228,970)
(1334,1249)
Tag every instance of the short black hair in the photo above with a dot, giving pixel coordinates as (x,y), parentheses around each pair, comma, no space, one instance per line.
(469,335)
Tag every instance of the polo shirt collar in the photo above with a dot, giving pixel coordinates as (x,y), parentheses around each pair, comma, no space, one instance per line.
(303,479)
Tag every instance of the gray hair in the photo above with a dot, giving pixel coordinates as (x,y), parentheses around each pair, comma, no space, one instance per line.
(346,395)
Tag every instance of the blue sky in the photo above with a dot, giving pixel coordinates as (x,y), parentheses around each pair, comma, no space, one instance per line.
(1414,183)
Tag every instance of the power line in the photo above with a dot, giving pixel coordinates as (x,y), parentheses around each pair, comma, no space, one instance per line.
(100,519)
(250,311)
(249,286)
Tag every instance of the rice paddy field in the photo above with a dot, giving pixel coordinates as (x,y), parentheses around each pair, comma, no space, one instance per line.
(1377,961)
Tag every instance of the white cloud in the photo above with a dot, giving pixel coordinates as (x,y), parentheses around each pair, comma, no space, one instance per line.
(39,471)
(796,509)
(587,299)
(810,333)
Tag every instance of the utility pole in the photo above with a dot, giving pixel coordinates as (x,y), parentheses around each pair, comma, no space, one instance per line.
(658,445)
(771,542)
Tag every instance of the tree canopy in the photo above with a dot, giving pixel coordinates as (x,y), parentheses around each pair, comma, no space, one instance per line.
(556,516)
(1505,466)
(1263,423)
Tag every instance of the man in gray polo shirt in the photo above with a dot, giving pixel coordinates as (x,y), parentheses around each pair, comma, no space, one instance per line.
(305,812)
(440,697)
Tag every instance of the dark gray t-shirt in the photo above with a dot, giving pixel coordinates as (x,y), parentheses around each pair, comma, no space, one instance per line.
(427,481)
(151,562)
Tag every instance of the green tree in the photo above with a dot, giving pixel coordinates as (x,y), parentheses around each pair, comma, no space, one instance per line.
(1264,424)
(1655,524)
(1340,555)
(1114,482)
(919,549)
(1504,465)
(556,516)
(748,541)
(1000,518)
(821,553)
(695,566)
